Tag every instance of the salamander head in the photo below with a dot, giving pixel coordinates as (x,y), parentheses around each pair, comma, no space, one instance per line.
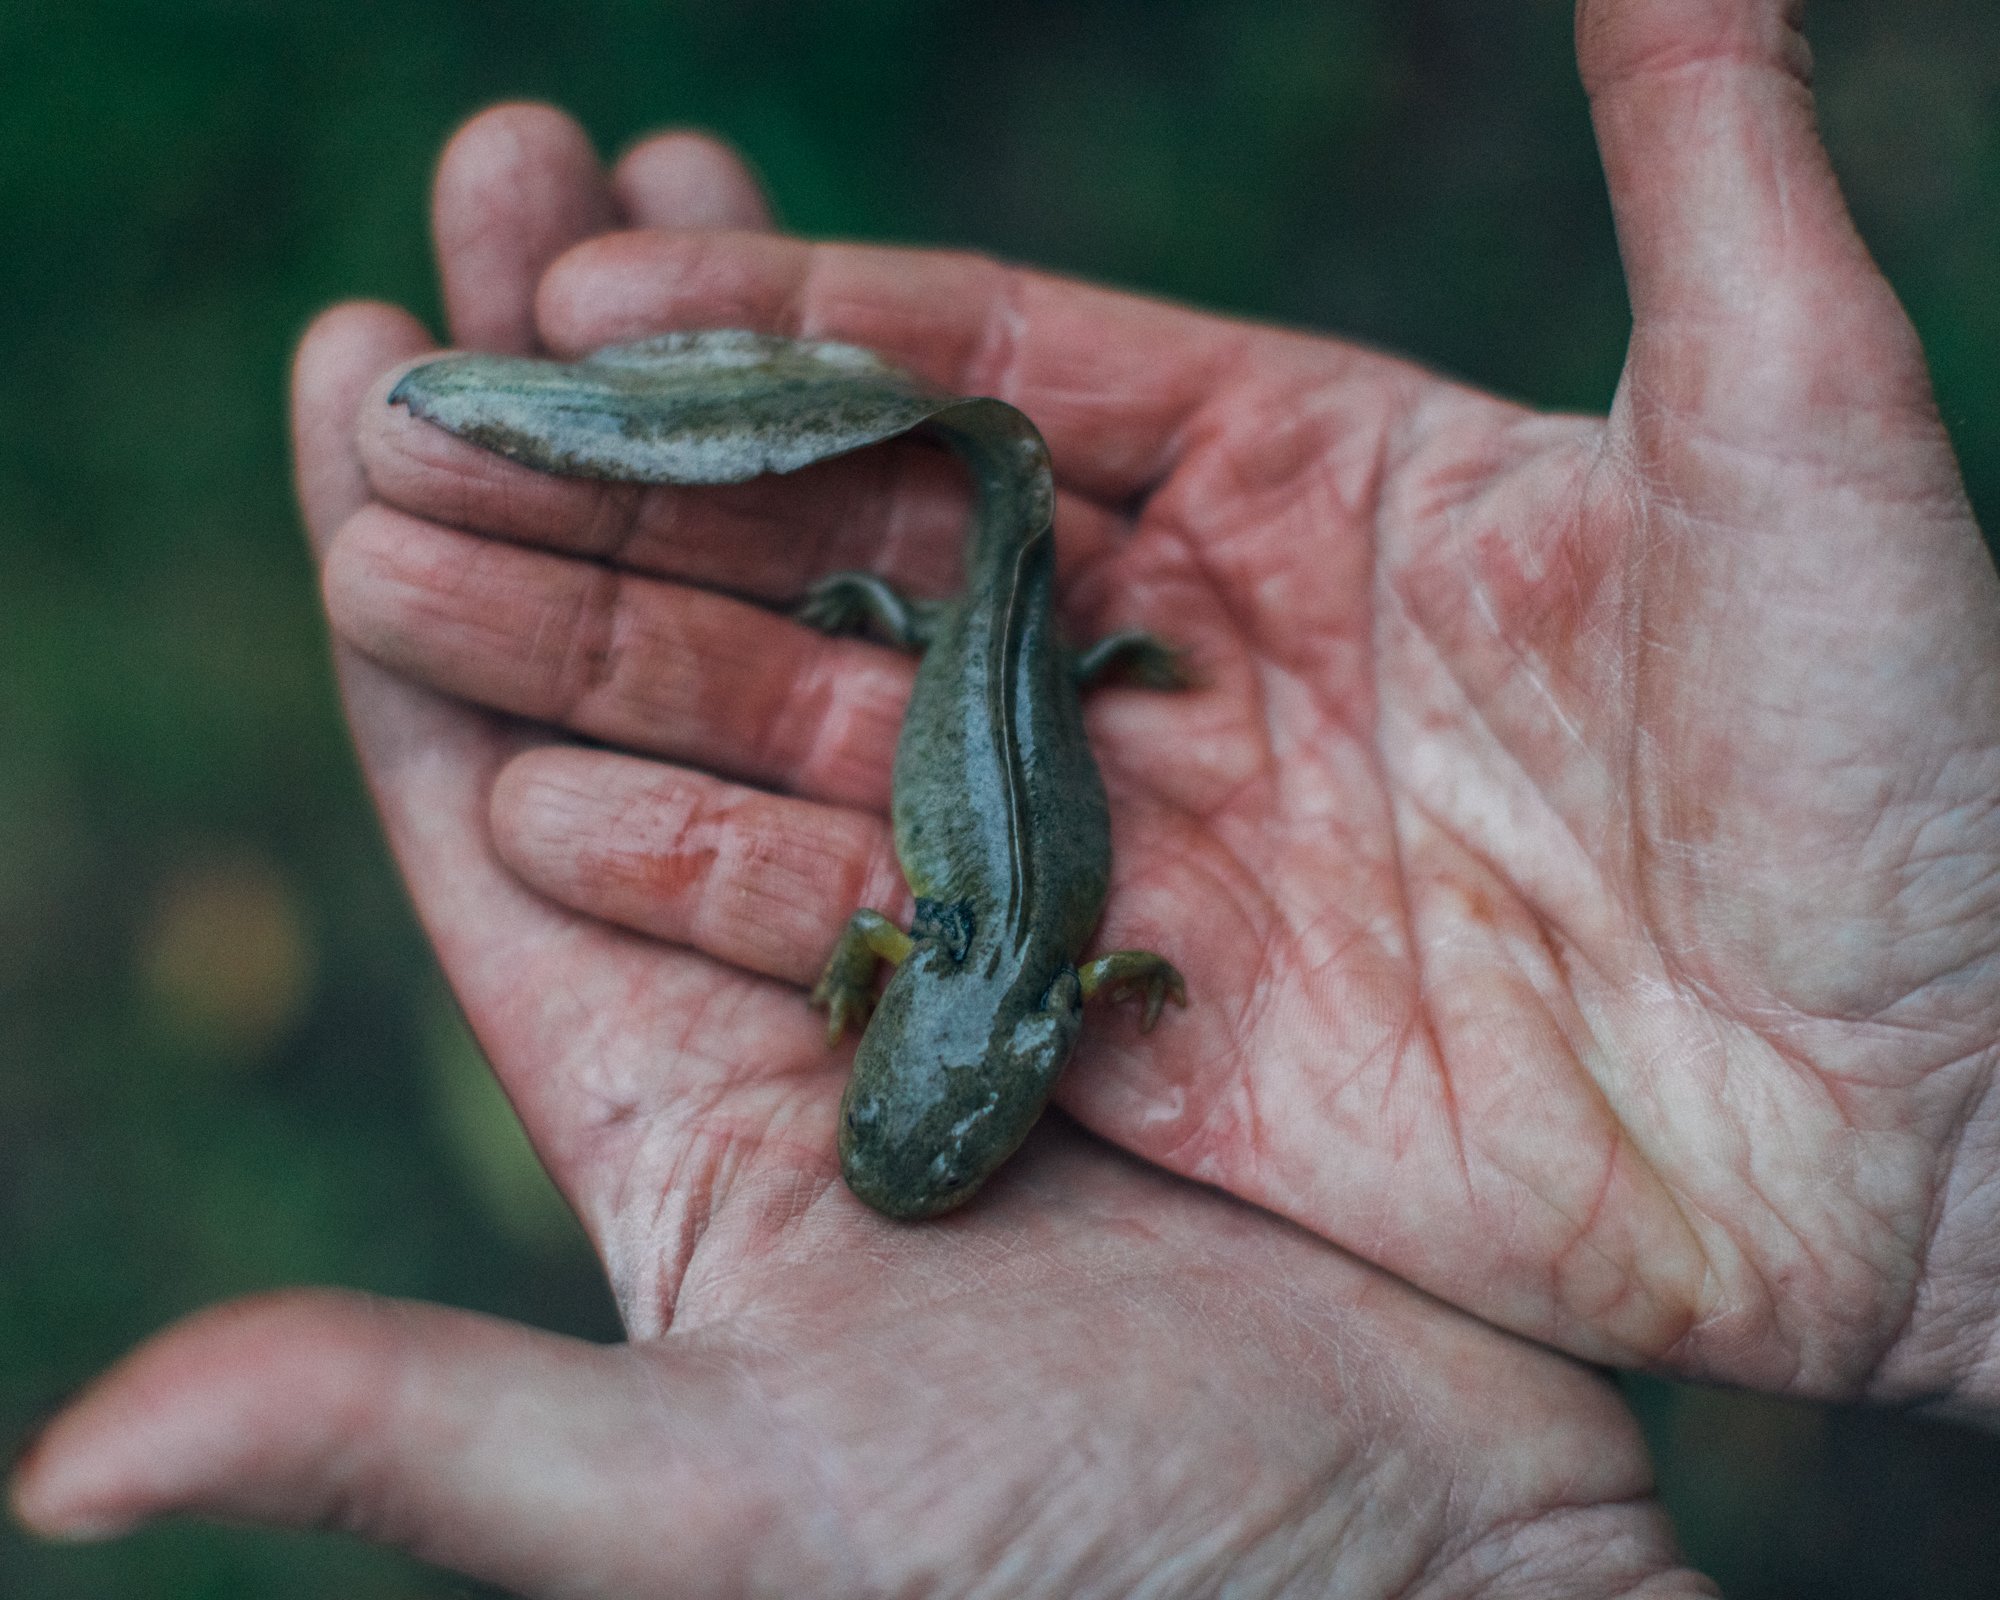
(952,1073)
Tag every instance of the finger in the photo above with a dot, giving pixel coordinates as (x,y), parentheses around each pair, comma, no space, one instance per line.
(324,1410)
(684,179)
(338,360)
(899,511)
(516,186)
(1113,381)
(1753,297)
(631,661)
(430,761)
(759,881)
(585,1072)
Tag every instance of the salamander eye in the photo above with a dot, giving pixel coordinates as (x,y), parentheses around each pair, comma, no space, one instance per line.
(862,1114)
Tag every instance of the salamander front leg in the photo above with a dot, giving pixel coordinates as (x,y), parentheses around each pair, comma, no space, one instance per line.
(1134,972)
(847,987)
(1139,657)
(860,602)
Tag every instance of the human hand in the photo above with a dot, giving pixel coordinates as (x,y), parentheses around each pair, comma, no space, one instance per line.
(1098,1379)
(1580,852)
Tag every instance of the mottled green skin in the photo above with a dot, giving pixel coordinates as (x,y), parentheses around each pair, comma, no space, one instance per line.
(1003,833)
(999,813)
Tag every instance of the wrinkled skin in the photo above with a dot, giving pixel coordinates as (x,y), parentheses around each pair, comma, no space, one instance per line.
(1588,824)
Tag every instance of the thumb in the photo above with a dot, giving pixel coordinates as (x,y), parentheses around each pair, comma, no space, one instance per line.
(1755,304)
(544,1464)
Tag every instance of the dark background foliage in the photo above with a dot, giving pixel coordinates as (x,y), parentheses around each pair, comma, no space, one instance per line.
(225,1059)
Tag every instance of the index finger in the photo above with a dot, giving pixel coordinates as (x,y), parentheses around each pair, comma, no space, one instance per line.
(1115,382)
(516,186)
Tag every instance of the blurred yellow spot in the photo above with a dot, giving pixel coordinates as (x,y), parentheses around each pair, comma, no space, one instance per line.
(224,957)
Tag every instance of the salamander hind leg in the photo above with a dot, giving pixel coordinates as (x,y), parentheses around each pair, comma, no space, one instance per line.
(860,602)
(1138,973)
(847,987)
(1138,657)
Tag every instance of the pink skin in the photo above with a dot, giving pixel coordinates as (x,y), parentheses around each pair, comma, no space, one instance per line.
(1099,1378)
(1580,851)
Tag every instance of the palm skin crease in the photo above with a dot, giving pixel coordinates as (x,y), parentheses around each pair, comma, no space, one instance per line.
(1579,842)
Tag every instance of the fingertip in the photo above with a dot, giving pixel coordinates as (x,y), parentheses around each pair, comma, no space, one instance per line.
(1755,301)
(534,813)
(343,351)
(1619,39)
(396,446)
(1707,131)
(633,285)
(529,1460)
(176,1419)
(516,186)
(39,1499)
(684,178)
(50,1515)
(352,324)
(344,572)
(378,582)
(516,126)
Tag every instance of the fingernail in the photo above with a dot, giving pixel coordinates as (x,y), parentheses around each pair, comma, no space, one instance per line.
(26,1494)
(29,1500)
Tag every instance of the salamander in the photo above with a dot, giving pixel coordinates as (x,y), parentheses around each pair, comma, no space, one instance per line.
(999,814)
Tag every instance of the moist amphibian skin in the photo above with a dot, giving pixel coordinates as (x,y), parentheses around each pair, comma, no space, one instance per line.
(999,813)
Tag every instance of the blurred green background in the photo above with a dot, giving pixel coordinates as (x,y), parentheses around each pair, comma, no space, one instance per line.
(225,1060)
